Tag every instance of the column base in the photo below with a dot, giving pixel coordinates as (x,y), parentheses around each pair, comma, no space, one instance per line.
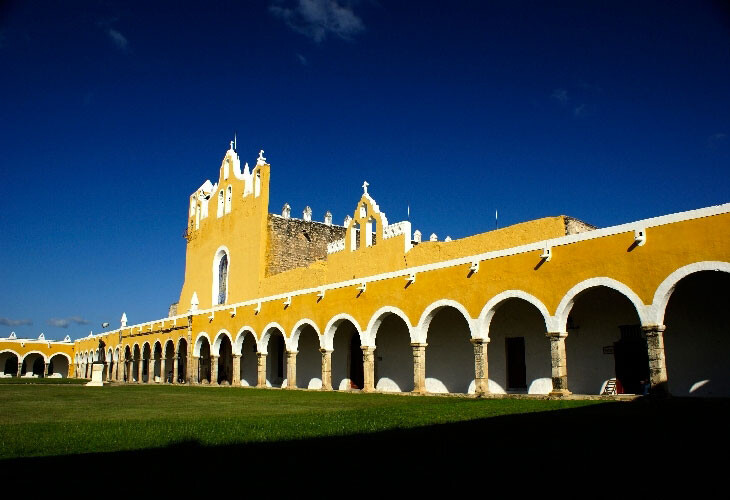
(559,393)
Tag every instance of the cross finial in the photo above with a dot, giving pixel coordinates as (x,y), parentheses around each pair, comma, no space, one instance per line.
(365,187)
(231,145)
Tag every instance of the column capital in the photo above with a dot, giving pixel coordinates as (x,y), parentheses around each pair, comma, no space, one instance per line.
(261,354)
(419,344)
(325,351)
(480,340)
(292,353)
(367,348)
(653,329)
(236,356)
(554,335)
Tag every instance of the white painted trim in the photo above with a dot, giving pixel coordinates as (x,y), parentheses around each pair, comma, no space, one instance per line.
(484,320)
(216,345)
(241,338)
(10,351)
(263,343)
(421,330)
(293,342)
(68,358)
(329,330)
(665,290)
(198,342)
(566,304)
(45,358)
(538,246)
(377,319)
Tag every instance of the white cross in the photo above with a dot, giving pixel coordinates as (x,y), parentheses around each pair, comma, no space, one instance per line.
(365,187)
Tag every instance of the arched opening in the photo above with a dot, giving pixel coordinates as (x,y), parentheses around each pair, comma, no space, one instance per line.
(34,365)
(309,359)
(276,359)
(128,365)
(220,277)
(605,342)
(449,354)
(220,204)
(393,355)
(203,360)
(146,363)
(697,336)
(229,198)
(347,363)
(248,363)
(225,361)
(518,350)
(182,361)
(355,236)
(58,366)
(157,363)
(137,364)
(109,364)
(9,362)
(169,362)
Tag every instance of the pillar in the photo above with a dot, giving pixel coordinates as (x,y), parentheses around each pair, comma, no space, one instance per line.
(481,366)
(213,370)
(326,369)
(419,367)
(558,363)
(48,365)
(150,370)
(163,370)
(236,377)
(139,370)
(291,369)
(194,379)
(261,368)
(175,365)
(368,368)
(658,380)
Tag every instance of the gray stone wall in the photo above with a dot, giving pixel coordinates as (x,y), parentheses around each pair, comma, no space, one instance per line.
(296,243)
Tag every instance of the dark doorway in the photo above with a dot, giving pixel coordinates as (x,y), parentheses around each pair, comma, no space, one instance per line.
(280,349)
(11,365)
(357,375)
(516,367)
(632,360)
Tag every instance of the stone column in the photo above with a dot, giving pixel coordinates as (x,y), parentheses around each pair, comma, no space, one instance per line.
(175,363)
(291,369)
(236,377)
(326,369)
(481,366)
(150,370)
(194,374)
(48,365)
(261,367)
(657,363)
(213,370)
(419,368)
(368,368)
(558,363)
(139,370)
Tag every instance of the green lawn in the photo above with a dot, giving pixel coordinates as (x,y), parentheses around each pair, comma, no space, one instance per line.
(57,420)
(171,431)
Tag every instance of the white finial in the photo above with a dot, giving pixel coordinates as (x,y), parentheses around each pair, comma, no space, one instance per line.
(328,218)
(234,141)
(448,238)
(347,220)
(194,302)
(67,338)
(124,319)
(307,213)
(365,187)
(261,160)
(12,335)
(433,237)
(231,147)
(286,211)
(41,336)
(417,236)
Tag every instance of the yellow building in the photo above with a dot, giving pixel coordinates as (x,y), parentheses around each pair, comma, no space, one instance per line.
(549,306)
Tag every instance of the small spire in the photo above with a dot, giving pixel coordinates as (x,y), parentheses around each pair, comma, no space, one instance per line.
(124,319)
(194,302)
(234,142)
(365,187)
(261,160)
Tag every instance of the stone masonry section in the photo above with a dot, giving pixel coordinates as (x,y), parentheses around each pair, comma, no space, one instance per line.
(297,243)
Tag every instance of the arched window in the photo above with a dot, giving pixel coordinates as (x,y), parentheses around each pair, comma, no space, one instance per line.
(222,279)
(229,197)
(220,204)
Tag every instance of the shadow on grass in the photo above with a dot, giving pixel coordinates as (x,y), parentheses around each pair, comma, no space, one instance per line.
(608,444)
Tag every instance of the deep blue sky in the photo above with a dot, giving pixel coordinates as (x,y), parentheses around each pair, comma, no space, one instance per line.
(113,112)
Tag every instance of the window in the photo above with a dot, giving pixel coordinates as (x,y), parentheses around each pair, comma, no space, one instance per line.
(222,279)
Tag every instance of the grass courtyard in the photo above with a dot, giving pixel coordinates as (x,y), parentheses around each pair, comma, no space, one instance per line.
(170,426)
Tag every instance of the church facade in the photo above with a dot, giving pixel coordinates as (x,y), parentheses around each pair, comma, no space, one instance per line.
(550,306)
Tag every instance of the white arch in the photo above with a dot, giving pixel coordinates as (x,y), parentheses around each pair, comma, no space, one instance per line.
(421,331)
(293,343)
(377,319)
(216,345)
(485,317)
(199,342)
(241,337)
(45,358)
(217,256)
(179,341)
(263,343)
(164,347)
(110,355)
(567,302)
(10,351)
(329,330)
(68,358)
(665,290)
